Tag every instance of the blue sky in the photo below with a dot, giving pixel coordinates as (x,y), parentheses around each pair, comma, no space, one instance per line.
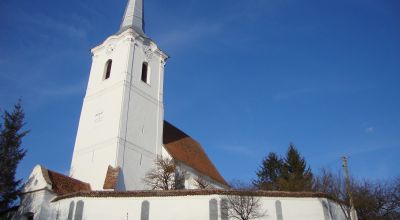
(245,78)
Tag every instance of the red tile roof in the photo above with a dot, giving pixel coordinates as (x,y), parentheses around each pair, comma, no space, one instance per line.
(111,180)
(188,151)
(62,184)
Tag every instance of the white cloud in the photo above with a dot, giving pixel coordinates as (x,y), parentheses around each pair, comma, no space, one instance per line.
(370,130)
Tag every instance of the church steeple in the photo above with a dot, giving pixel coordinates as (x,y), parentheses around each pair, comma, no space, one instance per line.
(122,117)
(133,17)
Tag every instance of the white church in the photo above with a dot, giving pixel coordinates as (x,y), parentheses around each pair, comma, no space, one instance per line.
(122,132)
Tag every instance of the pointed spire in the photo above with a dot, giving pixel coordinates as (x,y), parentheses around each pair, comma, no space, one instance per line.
(133,17)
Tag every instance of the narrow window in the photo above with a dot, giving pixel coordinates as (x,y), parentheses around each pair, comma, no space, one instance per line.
(278,209)
(145,211)
(145,72)
(213,207)
(71,210)
(79,210)
(107,72)
(224,209)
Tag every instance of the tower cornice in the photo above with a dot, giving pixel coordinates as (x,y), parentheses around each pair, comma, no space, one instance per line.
(133,36)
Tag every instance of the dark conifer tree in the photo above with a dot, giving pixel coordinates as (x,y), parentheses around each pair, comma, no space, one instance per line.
(11,153)
(296,175)
(269,173)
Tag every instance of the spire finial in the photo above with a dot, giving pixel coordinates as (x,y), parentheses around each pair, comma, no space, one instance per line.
(133,17)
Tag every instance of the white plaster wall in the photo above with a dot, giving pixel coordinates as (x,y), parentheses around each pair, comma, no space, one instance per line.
(38,203)
(306,208)
(189,207)
(98,132)
(35,181)
(136,164)
(122,117)
(332,209)
(38,200)
(36,196)
(97,138)
(192,175)
(142,116)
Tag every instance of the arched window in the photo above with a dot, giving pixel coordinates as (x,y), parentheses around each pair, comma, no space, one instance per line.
(145,211)
(79,210)
(107,71)
(278,209)
(213,207)
(224,209)
(71,210)
(145,73)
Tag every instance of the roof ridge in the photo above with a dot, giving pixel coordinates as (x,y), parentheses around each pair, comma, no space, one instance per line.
(45,173)
(62,184)
(52,171)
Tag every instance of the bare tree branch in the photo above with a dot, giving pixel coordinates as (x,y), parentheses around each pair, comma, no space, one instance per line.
(165,175)
(243,206)
(202,183)
(372,200)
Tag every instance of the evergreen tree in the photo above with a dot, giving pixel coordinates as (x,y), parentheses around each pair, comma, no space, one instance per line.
(269,173)
(11,153)
(288,174)
(296,175)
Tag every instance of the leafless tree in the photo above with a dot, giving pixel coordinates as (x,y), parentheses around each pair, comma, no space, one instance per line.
(377,200)
(180,177)
(165,175)
(202,183)
(372,200)
(243,206)
(334,186)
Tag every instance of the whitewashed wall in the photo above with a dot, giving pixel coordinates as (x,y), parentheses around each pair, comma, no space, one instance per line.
(38,203)
(122,117)
(193,208)
(36,196)
(191,175)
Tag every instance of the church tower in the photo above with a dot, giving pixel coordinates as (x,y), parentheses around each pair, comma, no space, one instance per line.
(122,116)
